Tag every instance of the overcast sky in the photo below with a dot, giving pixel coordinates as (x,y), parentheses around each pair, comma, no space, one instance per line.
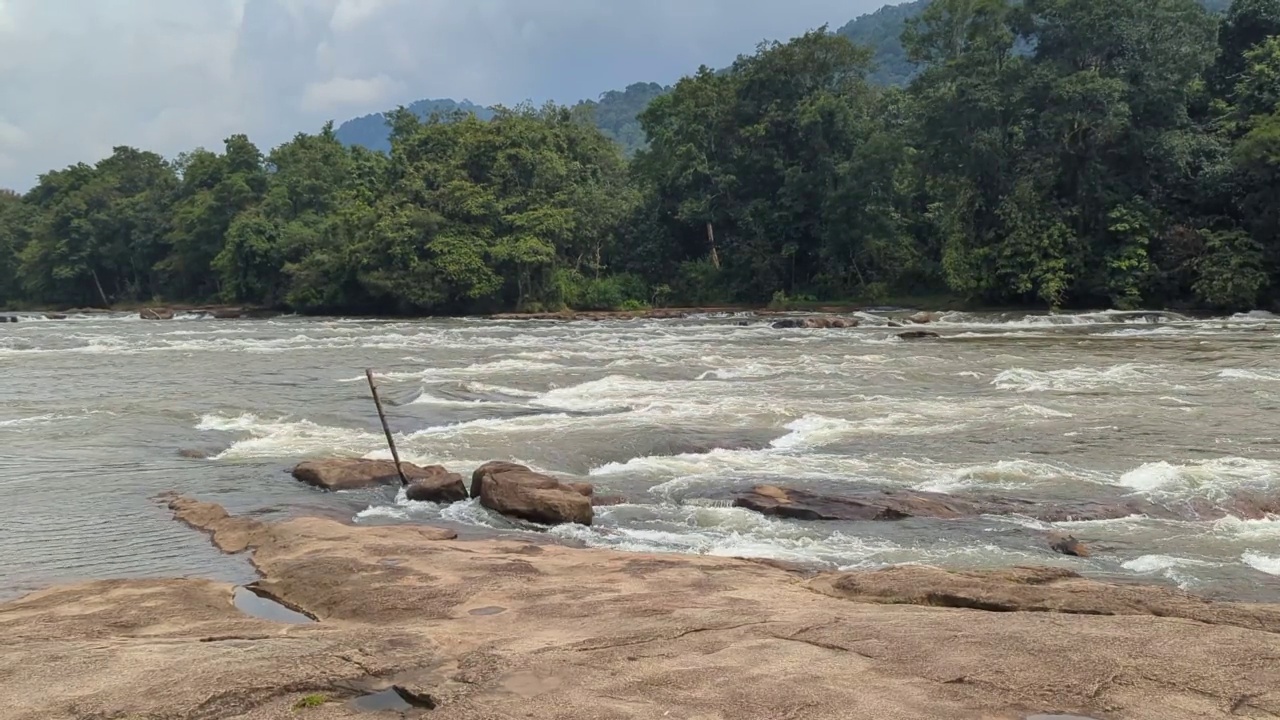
(78,77)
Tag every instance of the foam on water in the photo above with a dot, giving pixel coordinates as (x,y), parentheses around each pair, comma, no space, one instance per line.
(1007,474)
(1206,477)
(1181,571)
(1262,563)
(1128,377)
(1250,375)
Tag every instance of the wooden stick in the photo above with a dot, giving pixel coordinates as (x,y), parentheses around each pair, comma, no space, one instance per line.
(385,430)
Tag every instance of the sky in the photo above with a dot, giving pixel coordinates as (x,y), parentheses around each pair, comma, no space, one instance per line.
(78,77)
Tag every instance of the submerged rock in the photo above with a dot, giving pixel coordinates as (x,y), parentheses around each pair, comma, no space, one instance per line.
(518,492)
(918,335)
(888,505)
(356,473)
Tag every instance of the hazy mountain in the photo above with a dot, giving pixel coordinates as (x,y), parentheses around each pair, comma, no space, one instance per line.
(615,111)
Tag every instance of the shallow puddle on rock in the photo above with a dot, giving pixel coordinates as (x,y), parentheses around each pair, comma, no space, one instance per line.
(392,699)
(387,699)
(249,602)
(490,610)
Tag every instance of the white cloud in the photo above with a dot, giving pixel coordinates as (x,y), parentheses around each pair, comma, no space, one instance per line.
(349,14)
(342,92)
(80,76)
(12,137)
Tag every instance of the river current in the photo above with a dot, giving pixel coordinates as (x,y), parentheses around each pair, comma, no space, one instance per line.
(672,415)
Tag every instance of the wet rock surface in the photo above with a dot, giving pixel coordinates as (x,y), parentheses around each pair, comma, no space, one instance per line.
(156,313)
(516,491)
(601,634)
(900,504)
(889,505)
(1068,545)
(437,486)
(824,322)
(918,335)
(356,473)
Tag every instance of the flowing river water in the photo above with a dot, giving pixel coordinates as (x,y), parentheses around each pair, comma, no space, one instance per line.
(671,415)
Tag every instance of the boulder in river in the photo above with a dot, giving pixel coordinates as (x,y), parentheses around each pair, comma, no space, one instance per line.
(816,323)
(924,318)
(8,319)
(518,492)
(1068,545)
(156,313)
(356,473)
(438,486)
(918,335)
(890,505)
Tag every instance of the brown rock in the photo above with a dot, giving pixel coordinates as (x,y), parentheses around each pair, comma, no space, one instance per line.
(156,313)
(625,636)
(881,505)
(584,489)
(442,487)
(1037,589)
(517,491)
(607,500)
(492,468)
(1068,545)
(535,497)
(918,335)
(193,454)
(902,504)
(356,473)
(54,316)
(924,318)
(816,323)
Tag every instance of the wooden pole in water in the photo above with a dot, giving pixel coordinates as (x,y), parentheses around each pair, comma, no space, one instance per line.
(368,373)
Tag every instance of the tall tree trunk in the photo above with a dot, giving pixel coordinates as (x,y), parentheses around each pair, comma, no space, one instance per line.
(711,240)
(101,294)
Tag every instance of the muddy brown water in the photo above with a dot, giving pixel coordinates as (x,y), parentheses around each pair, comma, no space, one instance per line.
(672,415)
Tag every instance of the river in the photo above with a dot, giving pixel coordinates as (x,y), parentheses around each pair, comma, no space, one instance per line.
(672,415)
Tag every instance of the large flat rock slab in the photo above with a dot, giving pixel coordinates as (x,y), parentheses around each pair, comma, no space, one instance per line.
(506,629)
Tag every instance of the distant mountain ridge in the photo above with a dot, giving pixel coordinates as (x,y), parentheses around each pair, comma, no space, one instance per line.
(615,111)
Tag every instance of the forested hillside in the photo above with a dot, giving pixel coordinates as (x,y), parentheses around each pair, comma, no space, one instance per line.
(616,114)
(371,131)
(1129,156)
(882,32)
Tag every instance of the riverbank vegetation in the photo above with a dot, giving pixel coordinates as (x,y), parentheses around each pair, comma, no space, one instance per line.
(1052,153)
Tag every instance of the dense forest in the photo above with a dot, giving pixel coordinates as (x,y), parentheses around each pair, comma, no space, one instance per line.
(1053,153)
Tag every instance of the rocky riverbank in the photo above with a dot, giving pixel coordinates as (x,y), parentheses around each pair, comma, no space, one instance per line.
(511,629)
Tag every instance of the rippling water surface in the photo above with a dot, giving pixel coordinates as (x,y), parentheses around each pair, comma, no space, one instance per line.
(672,415)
